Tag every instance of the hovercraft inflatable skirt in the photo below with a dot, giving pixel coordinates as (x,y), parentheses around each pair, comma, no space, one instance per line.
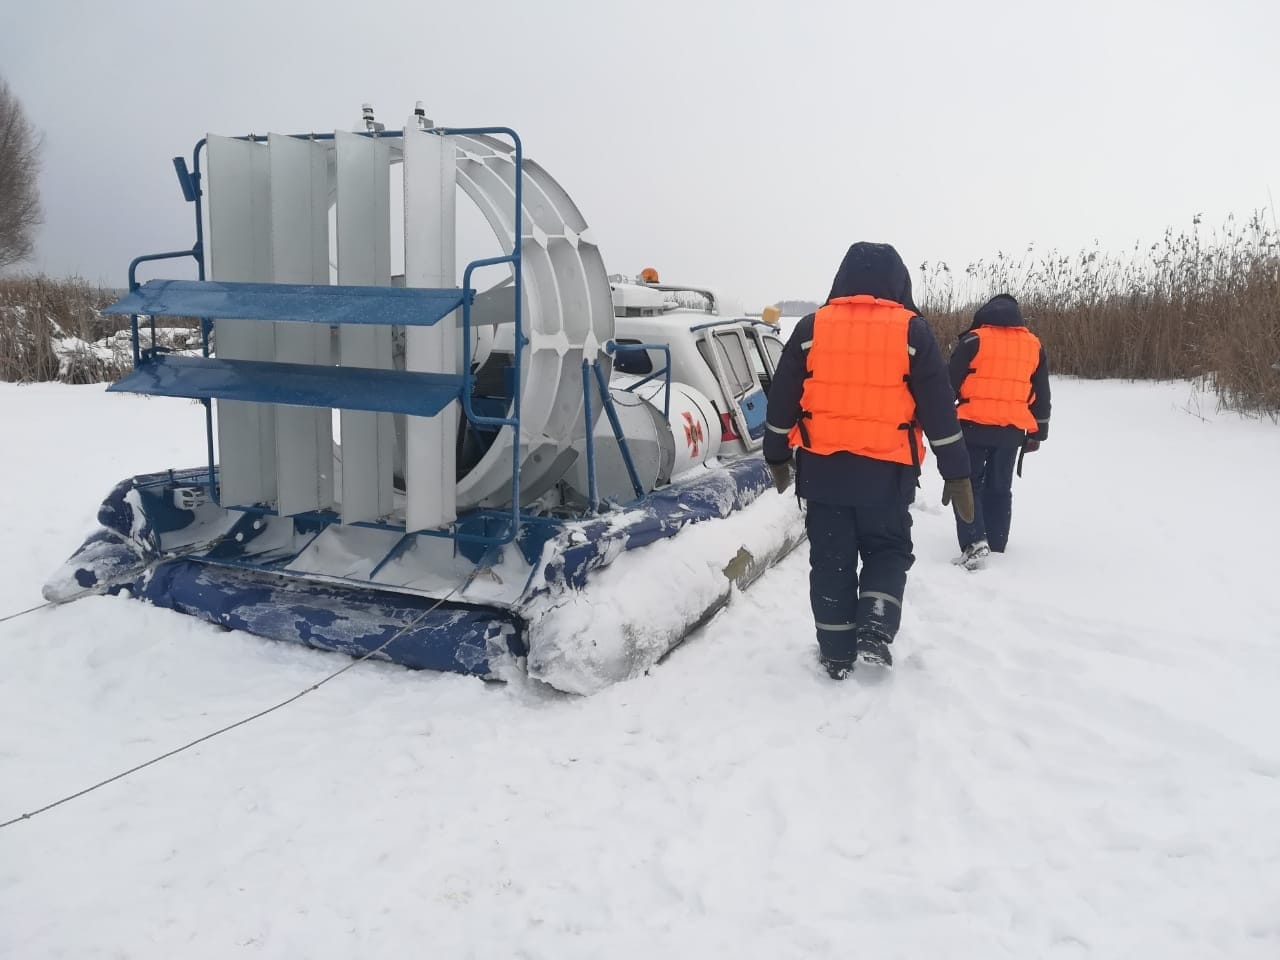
(603,600)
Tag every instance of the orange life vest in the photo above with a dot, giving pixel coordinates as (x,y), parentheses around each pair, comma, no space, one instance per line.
(856,397)
(998,389)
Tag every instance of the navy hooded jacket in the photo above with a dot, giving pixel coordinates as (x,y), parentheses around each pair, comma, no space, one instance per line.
(848,479)
(1000,311)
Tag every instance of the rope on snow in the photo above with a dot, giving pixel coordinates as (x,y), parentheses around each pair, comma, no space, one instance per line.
(239,723)
(23,613)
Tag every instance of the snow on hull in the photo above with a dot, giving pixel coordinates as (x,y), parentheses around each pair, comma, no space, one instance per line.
(645,602)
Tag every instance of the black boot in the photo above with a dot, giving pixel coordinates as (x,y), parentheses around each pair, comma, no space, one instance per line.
(873,648)
(836,669)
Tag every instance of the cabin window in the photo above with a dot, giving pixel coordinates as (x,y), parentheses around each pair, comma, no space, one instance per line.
(756,348)
(637,362)
(757,357)
(734,354)
(774,346)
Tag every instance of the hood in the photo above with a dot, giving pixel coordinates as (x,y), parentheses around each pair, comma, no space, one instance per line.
(873,269)
(1000,311)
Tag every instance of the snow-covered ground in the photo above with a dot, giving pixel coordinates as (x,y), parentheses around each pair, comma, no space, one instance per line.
(1078,754)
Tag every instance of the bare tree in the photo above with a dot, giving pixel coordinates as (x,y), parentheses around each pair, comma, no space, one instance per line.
(19,195)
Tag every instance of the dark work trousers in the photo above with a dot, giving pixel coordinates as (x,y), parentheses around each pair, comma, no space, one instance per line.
(992,476)
(846,602)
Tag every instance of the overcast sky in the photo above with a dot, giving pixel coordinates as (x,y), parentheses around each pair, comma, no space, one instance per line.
(737,144)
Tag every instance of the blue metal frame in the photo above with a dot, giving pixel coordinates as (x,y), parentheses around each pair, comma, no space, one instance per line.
(190,181)
(138,357)
(612,414)
(521,340)
(606,402)
(593,493)
(197,253)
(612,347)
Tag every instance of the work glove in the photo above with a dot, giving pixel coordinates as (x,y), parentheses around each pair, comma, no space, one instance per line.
(781,475)
(1031,445)
(960,491)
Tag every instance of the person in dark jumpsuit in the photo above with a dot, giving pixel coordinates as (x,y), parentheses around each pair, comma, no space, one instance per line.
(857,384)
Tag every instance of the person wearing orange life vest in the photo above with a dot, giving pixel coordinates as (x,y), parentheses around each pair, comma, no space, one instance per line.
(1000,373)
(857,385)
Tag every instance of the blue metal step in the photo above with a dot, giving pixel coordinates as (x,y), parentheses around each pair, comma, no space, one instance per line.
(314,303)
(295,384)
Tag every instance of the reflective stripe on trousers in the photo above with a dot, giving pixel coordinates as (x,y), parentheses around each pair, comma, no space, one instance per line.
(844,599)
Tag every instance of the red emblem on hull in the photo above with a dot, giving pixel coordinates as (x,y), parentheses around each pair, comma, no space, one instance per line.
(693,434)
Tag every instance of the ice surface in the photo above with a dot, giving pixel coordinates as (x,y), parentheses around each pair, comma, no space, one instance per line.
(1075,756)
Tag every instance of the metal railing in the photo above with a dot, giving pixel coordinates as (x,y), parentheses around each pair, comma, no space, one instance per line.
(613,347)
